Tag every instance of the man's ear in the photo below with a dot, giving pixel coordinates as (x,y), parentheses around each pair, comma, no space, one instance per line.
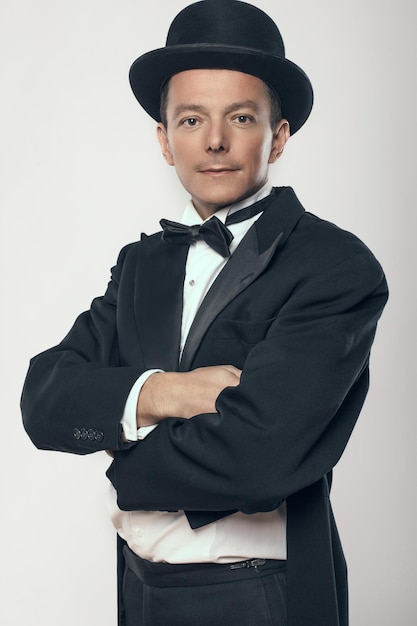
(280,138)
(161,133)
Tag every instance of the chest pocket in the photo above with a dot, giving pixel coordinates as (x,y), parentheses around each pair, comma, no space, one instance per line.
(230,341)
(249,333)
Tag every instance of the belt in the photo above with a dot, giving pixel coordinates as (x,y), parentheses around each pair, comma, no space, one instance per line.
(193,574)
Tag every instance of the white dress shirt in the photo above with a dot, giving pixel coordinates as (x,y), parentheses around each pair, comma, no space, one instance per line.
(167,536)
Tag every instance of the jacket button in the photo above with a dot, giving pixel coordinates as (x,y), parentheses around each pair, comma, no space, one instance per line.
(84,434)
(77,433)
(99,436)
(91,434)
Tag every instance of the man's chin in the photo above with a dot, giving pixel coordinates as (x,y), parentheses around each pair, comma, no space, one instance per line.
(209,204)
(206,208)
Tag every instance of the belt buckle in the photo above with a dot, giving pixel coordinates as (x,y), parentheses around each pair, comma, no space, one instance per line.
(249,563)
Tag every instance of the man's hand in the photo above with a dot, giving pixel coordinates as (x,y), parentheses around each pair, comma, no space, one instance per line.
(183,394)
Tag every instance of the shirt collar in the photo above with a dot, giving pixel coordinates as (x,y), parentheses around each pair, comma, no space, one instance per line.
(190,216)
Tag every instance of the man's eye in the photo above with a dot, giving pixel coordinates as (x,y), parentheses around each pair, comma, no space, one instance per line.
(243,119)
(190,121)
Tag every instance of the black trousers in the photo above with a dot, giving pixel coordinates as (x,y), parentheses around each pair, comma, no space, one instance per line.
(247,594)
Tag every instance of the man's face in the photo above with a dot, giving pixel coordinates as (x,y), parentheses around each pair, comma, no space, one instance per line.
(219,136)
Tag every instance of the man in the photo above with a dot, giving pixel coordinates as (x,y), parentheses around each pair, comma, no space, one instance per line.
(224,368)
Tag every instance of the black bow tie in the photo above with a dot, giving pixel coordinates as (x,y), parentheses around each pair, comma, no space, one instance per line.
(213,232)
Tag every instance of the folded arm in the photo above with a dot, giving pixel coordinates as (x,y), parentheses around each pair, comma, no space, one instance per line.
(74,394)
(286,423)
(183,394)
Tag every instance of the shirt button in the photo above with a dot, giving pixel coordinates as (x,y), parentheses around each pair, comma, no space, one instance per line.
(191,282)
(138,532)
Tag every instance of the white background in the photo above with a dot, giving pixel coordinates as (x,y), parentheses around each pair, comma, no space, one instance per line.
(81,175)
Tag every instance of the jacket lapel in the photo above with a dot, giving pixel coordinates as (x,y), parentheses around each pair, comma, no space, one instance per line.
(249,260)
(240,271)
(158,301)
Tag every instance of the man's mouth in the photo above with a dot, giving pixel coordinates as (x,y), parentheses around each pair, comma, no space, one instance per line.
(217,170)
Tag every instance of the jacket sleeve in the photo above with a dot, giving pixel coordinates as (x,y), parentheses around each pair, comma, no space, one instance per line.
(286,424)
(74,394)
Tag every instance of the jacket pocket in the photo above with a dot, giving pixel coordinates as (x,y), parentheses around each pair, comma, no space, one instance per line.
(249,333)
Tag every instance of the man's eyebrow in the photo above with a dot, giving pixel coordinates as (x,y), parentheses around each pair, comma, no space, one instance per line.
(199,108)
(246,104)
(186,108)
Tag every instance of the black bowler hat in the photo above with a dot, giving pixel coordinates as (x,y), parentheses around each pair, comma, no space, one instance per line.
(224,34)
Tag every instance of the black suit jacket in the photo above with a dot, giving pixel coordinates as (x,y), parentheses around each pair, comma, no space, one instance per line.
(296,308)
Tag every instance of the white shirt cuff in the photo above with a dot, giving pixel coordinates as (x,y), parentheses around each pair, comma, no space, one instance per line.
(128,421)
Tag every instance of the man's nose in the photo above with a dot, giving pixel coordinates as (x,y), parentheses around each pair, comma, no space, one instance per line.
(217,138)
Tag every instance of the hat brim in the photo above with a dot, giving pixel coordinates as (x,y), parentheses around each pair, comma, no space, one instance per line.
(150,71)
